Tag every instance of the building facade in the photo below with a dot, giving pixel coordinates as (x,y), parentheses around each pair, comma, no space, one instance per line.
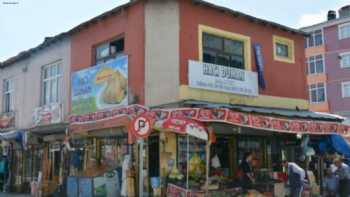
(34,103)
(327,54)
(181,61)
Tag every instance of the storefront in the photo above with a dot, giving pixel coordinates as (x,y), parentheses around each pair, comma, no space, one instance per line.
(270,139)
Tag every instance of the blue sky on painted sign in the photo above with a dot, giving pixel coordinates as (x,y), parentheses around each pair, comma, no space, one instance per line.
(25,23)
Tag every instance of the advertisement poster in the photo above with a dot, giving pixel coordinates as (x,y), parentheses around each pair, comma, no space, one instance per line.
(222,78)
(7,120)
(100,87)
(49,114)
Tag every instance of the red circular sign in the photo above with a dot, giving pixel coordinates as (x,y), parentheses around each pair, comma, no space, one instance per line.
(141,126)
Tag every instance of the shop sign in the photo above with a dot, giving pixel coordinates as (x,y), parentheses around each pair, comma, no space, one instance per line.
(48,114)
(100,87)
(129,111)
(7,120)
(222,78)
(141,126)
(175,119)
(186,126)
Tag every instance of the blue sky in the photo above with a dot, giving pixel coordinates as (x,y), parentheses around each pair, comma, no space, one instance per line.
(25,23)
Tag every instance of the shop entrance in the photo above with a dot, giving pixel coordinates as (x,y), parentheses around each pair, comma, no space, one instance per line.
(153,161)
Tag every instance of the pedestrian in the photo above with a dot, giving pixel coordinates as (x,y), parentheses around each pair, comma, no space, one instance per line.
(296,178)
(330,183)
(245,167)
(343,173)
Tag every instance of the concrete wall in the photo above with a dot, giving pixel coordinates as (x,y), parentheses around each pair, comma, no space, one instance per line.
(161,52)
(286,80)
(335,74)
(27,80)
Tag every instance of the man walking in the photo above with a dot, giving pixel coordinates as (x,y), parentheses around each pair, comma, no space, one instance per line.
(296,178)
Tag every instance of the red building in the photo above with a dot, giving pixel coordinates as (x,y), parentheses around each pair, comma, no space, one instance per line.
(242,76)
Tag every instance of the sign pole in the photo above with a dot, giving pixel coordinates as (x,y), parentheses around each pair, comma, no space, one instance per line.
(141,168)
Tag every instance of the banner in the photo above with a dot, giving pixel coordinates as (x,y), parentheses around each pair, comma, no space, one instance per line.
(222,78)
(251,120)
(48,114)
(100,87)
(7,120)
(259,65)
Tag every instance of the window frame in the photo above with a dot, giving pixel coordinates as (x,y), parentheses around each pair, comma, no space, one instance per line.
(291,49)
(341,62)
(323,64)
(313,36)
(228,35)
(311,89)
(49,80)
(343,84)
(9,92)
(339,30)
(223,52)
(110,55)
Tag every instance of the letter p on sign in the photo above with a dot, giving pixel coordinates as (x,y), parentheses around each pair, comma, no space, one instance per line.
(141,126)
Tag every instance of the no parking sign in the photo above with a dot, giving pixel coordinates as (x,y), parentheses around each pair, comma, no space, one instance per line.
(141,126)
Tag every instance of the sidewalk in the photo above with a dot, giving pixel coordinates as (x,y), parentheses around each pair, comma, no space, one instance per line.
(13,195)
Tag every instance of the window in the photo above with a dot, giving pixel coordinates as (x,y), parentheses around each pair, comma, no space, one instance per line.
(345,89)
(315,39)
(283,49)
(109,50)
(344,31)
(317,93)
(223,51)
(345,60)
(8,95)
(316,64)
(51,75)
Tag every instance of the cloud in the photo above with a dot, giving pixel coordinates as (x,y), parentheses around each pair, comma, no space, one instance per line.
(319,16)
(311,19)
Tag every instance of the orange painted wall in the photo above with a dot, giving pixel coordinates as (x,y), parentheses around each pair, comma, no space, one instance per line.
(282,79)
(128,22)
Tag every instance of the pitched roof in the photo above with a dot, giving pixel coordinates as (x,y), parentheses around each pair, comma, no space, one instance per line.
(48,41)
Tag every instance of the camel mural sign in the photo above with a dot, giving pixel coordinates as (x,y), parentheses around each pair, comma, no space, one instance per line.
(100,87)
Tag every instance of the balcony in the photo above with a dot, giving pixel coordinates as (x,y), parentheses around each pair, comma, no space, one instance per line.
(7,120)
(311,51)
(319,107)
(219,78)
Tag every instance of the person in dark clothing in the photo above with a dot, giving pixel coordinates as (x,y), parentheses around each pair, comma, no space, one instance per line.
(343,173)
(247,178)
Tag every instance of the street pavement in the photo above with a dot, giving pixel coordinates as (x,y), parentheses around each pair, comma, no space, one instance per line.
(13,195)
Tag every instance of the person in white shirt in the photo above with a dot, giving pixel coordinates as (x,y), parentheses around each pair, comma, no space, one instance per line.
(296,178)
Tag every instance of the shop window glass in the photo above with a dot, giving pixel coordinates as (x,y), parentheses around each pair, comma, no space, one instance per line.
(196,162)
(223,51)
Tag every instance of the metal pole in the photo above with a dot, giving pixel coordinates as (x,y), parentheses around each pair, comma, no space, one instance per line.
(187,162)
(141,168)
(207,168)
